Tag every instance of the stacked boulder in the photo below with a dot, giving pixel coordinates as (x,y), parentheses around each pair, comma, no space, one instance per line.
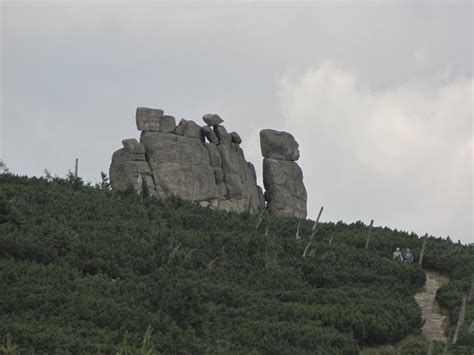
(285,192)
(203,164)
(130,168)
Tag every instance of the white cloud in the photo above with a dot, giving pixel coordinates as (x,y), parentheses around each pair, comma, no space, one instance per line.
(403,155)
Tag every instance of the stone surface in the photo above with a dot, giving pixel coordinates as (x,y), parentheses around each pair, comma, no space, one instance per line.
(222,135)
(130,170)
(131,145)
(212,119)
(180,166)
(210,135)
(192,130)
(180,128)
(214,155)
(167,124)
(239,179)
(278,145)
(148,119)
(285,192)
(235,138)
(175,160)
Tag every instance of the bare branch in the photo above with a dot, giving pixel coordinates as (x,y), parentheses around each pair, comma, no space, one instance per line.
(369,234)
(306,249)
(211,263)
(298,230)
(189,254)
(173,252)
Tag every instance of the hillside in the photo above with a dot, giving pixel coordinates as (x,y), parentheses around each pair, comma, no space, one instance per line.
(86,270)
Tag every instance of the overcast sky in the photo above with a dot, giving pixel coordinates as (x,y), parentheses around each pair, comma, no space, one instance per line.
(379,94)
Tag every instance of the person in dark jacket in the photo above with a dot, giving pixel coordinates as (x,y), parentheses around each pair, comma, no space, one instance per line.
(408,256)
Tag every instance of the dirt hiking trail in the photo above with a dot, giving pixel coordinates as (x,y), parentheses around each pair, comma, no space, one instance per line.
(435,322)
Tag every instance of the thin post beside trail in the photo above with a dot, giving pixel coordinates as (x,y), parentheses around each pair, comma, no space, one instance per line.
(471,292)
(423,249)
(460,319)
(76,168)
(369,234)
(446,345)
(315,225)
(431,348)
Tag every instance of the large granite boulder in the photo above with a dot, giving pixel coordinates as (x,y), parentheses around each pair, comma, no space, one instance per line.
(278,145)
(212,119)
(285,192)
(222,135)
(180,165)
(129,168)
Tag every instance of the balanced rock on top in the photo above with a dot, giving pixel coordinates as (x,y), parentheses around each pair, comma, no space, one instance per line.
(278,145)
(212,119)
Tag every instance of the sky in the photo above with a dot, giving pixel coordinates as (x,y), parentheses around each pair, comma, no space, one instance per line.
(379,94)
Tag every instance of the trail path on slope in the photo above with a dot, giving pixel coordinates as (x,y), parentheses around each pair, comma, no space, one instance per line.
(435,322)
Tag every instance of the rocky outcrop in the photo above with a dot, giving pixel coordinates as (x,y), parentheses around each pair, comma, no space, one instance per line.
(202,164)
(130,168)
(285,192)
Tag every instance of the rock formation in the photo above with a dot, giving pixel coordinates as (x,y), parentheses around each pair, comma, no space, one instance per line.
(177,159)
(285,192)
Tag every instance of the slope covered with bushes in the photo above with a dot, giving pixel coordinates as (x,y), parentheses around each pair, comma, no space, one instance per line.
(86,270)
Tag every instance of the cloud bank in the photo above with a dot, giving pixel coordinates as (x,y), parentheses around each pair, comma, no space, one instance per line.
(402,155)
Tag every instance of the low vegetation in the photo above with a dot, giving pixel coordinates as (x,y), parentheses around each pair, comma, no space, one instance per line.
(87,270)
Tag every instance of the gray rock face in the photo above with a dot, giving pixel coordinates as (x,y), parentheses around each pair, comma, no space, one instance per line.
(167,124)
(210,135)
(211,119)
(189,129)
(129,168)
(222,135)
(176,160)
(282,177)
(235,138)
(180,166)
(278,145)
(148,119)
(132,146)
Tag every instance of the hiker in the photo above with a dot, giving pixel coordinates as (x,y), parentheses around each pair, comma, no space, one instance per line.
(408,256)
(397,255)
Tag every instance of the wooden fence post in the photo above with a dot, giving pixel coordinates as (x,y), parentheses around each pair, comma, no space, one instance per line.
(369,233)
(431,348)
(471,292)
(76,168)
(315,225)
(423,249)
(460,319)
(446,345)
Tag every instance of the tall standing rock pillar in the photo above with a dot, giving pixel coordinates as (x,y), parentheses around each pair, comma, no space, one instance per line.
(285,192)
